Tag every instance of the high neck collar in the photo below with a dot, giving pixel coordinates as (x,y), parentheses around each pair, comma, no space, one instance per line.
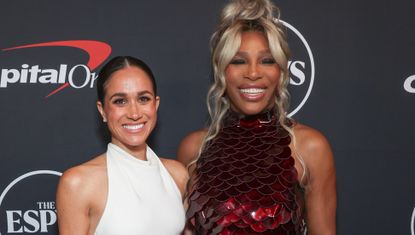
(233,118)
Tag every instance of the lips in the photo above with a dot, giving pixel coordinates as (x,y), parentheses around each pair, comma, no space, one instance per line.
(252,90)
(133,127)
(252,93)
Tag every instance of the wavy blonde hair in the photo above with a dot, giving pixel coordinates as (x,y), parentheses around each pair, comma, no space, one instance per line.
(237,17)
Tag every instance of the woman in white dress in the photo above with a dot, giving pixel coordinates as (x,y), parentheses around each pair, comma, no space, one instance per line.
(128,190)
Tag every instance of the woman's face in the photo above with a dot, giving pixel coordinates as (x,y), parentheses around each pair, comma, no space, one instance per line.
(252,76)
(130,108)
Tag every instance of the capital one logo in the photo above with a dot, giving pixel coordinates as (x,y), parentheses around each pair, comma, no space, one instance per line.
(301,68)
(27,204)
(64,76)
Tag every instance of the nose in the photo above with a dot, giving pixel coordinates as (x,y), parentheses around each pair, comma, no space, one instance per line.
(134,112)
(253,72)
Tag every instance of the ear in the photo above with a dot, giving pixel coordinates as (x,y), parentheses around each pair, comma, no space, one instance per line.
(157,102)
(100,108)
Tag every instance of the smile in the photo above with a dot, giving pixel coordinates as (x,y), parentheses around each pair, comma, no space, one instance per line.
(133,127)
(252,91)
(252,94)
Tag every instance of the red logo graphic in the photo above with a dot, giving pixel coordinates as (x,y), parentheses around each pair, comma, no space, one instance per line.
(97,51)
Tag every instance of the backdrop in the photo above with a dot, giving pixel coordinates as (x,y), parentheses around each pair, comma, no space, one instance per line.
(352,77)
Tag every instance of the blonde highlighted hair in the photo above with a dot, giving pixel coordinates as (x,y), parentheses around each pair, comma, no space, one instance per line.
(237,17)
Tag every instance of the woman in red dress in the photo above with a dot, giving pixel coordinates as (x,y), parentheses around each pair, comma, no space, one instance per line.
(254,170)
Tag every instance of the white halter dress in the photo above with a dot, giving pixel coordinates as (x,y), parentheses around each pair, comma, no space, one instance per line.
(142,197)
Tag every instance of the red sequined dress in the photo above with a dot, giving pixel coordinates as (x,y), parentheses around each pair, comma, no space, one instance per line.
(245,181)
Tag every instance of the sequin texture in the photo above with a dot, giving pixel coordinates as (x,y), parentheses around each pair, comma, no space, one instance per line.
(246,182)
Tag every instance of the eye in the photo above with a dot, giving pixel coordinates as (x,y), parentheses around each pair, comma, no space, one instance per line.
(237,61)
(119,101)
(268,61)
(144,99)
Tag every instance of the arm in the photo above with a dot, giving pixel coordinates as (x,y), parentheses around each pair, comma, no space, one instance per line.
(189,147)
(72,204)
(320,195)
(188,152)
(178,172)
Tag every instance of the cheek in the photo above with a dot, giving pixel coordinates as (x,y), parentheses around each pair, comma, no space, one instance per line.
(275,78)
(278,74)
(113,113)
(151,113)
(150,110)
(230,75)
(230,82)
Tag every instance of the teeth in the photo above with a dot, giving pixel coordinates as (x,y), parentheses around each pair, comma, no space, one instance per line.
(252,90)
(133,127)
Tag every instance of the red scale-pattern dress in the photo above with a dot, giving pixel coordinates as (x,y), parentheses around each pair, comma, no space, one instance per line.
(245,181)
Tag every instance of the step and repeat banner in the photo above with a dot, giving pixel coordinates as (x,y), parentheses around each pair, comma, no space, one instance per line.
(352,77)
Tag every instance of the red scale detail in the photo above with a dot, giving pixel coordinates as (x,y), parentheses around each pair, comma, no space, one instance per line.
(203,188)
(274,170)
(246,182)
(243,188)
(250,206)
(233,192)
(248,178)
(234,181)
(237,172)
(250,161)
(266,201)
(238,164)
(248,168)
(254,184)
(288,163)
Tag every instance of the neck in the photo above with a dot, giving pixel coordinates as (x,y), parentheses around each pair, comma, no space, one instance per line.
(254,120)
(138,152)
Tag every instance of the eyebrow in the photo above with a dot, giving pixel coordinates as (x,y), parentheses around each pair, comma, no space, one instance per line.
(122,94)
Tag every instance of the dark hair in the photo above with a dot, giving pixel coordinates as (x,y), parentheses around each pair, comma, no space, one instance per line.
(118,63)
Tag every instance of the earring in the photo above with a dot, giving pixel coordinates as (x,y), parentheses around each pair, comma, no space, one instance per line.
(104,119)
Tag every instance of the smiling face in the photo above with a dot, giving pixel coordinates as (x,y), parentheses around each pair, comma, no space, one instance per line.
(252,76)
(130,108)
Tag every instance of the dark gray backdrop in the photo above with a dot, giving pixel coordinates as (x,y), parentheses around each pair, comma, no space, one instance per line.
(363,52)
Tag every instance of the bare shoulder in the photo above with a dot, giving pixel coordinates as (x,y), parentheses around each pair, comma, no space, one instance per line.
(178,171)
(81,196)
(83,178)
(190,145)
(308,138)
(314,148)
(320,196)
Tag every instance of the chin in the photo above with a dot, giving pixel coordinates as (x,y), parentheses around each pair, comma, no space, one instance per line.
(133,142)
(252,111)
(251,108)
(257,108)
(136,143)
